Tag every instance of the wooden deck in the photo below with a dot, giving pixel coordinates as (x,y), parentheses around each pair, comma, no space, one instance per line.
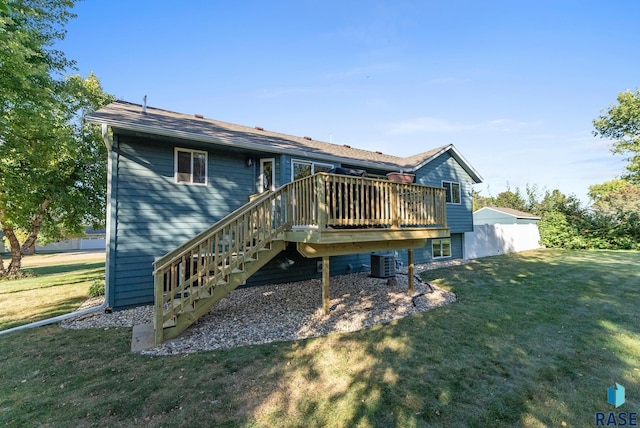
(325,215)
(331,242)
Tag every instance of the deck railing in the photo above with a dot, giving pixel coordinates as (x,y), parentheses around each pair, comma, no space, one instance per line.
(355,202)
(193,270)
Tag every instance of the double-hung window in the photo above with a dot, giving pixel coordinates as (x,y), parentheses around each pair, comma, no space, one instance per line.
(441,248)
(190,166)
(452,192)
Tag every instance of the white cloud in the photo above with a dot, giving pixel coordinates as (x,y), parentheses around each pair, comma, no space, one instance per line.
(278,92)
(447,80)
(424,124)
(438,125)
(366,71)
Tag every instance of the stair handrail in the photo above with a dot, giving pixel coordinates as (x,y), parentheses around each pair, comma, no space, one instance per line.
(184,276)
(201,237)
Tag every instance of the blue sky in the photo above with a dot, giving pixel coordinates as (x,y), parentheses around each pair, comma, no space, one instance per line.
(514,85)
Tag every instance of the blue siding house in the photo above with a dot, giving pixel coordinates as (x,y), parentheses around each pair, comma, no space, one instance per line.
(172,176)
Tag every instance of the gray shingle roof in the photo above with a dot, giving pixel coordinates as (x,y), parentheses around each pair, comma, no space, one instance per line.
(128,116)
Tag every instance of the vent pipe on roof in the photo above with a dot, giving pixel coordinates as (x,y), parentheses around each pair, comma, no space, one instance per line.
(144,105)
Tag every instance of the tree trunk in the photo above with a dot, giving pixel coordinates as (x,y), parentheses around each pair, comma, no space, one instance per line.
(29,245)
(18,250)
(3,271)
(16,255)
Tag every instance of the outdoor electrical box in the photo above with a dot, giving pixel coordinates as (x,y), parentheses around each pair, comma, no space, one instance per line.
(383,265)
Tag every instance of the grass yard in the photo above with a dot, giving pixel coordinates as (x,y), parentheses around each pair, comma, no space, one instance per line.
(534,340)
(56,284)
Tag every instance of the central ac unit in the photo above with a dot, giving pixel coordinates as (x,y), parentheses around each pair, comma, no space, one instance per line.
(383,265)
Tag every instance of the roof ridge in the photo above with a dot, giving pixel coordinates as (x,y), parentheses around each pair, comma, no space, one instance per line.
(512,211)
(261,131)
(135,117)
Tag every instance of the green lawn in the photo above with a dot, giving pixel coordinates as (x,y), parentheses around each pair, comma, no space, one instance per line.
(534,339)
(48,290)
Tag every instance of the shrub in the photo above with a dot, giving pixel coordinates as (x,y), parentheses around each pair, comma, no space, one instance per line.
(97,288)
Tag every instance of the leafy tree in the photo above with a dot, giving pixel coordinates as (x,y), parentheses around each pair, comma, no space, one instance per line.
(52,165)
(480,201)
(4,8)
(562,220)
(612,222)
(615,215)
(598,191)
(556,231)
(53,173)
(621,123)
(511,199)
(615,194)
(555,200)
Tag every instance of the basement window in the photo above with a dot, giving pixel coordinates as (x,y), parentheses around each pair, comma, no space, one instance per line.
(452,191)
(190,166)
(441,248)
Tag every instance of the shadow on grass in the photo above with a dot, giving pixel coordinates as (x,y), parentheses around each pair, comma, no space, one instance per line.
(63,307)
(53,291)
(64,268)
(71,280)
(534,340)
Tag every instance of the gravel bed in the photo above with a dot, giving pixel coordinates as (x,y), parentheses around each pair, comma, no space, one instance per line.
(283,312)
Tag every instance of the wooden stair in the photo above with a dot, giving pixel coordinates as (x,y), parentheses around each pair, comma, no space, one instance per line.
(203,298)
(194,277)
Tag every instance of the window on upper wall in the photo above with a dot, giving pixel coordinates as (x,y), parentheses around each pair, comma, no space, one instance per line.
(452,192)
(190,166)
(441,248)
(301,169)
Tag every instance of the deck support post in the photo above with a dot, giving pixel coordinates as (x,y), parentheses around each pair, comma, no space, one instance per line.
(325,284)
(411,269)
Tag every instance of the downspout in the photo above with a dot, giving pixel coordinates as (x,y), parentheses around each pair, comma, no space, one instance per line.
(105,305)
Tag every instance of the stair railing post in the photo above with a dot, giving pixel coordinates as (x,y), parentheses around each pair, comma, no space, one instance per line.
(289,205)
(158,279)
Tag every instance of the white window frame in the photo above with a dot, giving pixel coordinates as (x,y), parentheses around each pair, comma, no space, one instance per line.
(191,152)
(313,165)
(440,242)
(449,186)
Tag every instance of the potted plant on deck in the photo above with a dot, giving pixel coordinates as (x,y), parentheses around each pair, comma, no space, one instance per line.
(401,177)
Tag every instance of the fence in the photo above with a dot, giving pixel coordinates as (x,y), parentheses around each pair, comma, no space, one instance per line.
(76,244)
(495,239)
